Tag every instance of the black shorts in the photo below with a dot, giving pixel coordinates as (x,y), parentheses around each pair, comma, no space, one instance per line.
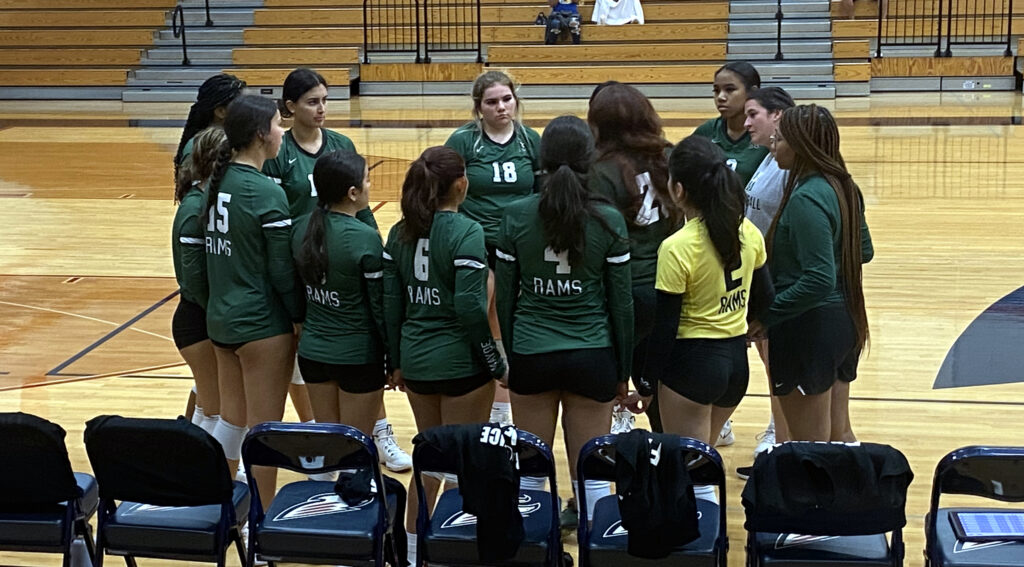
(351,378)
(588,372)
(813,350)
(709,371)
(228,346)
(188,326)
(644,305)
(452,388)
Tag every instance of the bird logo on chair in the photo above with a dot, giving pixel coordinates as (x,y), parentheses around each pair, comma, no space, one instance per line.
(323,504)
(460,518)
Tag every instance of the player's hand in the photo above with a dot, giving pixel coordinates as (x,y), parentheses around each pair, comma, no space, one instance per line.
(503,381)
(756,331)
(622,393)
(636,403)
(396,381)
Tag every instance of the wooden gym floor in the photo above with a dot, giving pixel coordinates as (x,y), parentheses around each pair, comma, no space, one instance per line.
(87,288)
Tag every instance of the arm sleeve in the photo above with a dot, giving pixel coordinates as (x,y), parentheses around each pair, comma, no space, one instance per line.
(372,265)
(668,307)
(366,216)
(394,304)
(811,236)
(193,260)
(618,287)
(277,236)
(470,299)
(506,282)
(762,292)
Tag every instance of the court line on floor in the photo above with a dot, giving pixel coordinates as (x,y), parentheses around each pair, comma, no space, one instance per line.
(82,378)
(80,316)
(917,400)
(127,324)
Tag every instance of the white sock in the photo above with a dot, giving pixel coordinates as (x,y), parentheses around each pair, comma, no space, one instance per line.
(411,539)
(310,421)
(532,483)
(380,427)
(197,416)
(209,423)
(501,407)
(705,492)
(230,437)
(596,490)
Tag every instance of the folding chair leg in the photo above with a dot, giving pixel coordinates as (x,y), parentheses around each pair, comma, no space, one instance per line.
(239,546)
(130,561)
(90,545)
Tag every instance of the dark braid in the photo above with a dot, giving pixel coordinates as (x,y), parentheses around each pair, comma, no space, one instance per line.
(811,132)
(219,90)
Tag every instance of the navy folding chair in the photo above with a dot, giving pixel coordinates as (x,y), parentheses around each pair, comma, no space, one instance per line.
(321,522)
(449,536)
(826,505)
(165,491)
(993,473)
(44,506)
(604,541)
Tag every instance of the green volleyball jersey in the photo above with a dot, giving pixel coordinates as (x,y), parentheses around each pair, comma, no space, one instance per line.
(545,304)
(344,313)
(742,155)
(498,173)
(253,292)
(435,301)
(188,247)
(292,169)
(652,224)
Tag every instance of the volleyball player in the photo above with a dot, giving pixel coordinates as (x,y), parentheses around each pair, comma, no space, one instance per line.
(501,163)
(817,324)
(254,305)
(304,99)
(733,82)
(764,109)
(189,253)
(564,299)
(435,300)
(209,109)
(709,273)
(631,171)
(341,350)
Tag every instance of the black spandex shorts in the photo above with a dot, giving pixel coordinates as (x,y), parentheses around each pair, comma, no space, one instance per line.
(228,346)
(589,372)
(188,326)
(812,350)
(452,388)
(709,371)
(352,378)
(644,307)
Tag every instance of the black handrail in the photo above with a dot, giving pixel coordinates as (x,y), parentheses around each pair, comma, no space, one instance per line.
(968,24)
(209,21)
(451,25)
(1009,29)
(179,13)
(386,27)
(778,35)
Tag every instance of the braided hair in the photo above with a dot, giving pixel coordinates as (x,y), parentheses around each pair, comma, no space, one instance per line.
(217,91)
(811,132)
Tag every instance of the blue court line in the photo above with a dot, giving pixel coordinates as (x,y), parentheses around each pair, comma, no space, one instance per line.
(110,335)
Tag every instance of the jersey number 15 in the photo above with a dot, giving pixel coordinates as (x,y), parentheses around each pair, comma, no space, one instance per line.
(221,210)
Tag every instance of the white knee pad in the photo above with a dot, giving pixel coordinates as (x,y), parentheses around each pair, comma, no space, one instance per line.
(197,416)
(596,490)
(209,423)
(230,438)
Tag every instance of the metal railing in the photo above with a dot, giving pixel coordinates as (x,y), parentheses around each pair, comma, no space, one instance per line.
(778,34)
(924,23)
(391,26)
(209,21)
(979,22)
(452,25)
(179,31)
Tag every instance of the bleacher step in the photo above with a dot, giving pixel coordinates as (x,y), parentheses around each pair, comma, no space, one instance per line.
(761,9)
(768,28)
(196,16)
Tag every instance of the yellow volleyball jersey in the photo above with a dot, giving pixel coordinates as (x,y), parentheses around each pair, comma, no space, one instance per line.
(714,298)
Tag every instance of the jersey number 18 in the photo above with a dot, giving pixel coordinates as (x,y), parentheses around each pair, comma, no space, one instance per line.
(506,170)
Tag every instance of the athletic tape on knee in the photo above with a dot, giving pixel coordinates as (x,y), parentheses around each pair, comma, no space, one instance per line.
(230,438)
(197,416)
(296,375)
(209,423)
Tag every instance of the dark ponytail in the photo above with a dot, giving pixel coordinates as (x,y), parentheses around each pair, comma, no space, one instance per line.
(427,186)
(219,90)
(249,117)
(201,163)
(566,149)
(714,189)
(333,175)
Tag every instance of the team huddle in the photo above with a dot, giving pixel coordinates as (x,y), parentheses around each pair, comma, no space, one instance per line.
(545,271)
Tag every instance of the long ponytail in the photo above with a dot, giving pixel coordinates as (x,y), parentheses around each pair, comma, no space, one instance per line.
(248,118)
(565,152)
(219,90)
(427,186)
(333,175)
(199,166)
(715,190)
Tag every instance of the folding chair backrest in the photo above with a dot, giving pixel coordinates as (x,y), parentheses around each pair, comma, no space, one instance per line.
(162,462)
(597,461)
(34,466)
(828,489)
(996,473)
(309,448)
(535,457)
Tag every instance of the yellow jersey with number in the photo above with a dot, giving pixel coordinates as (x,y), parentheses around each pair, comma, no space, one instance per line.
(714,298)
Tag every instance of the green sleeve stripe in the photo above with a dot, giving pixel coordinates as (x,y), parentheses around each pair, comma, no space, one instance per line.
(190,240)
(502,255)
(469,263)
(278,224)
(373,275)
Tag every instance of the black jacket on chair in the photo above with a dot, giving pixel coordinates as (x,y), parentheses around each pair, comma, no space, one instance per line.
(656,500)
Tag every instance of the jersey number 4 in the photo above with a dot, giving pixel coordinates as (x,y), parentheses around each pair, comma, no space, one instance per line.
(561,258)
(421,261)
(506,170)
(219,214)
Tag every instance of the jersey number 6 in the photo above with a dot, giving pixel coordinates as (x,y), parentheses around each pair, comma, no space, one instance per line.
(421,261)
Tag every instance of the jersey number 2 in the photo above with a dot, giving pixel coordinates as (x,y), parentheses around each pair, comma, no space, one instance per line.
(730,283)
(421,261)
(508,169)
(219,224)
